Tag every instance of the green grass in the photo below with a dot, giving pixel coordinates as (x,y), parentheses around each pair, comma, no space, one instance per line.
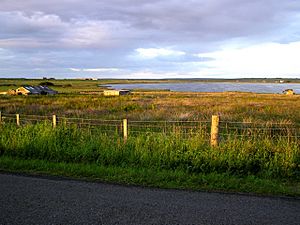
(259,165)
(258,156)
(150,177)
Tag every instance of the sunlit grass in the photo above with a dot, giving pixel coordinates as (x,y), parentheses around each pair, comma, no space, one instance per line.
(258,157)
(160,106)
(263,157)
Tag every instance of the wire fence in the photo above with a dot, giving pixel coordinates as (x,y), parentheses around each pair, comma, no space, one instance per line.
(255,129)
(184,129)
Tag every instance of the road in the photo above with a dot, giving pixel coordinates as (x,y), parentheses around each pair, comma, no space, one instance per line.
(38,200)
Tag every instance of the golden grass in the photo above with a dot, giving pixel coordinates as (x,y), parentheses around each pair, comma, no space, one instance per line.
(161,105)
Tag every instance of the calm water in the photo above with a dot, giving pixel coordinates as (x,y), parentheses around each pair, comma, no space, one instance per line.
(214,87)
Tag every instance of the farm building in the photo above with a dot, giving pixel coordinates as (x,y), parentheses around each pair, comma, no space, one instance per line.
(35,90)
(115,92)
(288,92)
(11,92)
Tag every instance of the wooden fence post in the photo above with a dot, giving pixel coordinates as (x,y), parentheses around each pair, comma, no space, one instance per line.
(54,121)
(214,134)
(18,119)
(125,130)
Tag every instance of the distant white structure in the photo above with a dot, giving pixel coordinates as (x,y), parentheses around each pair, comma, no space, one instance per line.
(115,92)
(87,78)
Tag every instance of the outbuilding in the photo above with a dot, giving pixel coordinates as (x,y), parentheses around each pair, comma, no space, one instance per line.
(115,92)
(35,90)
(288,92)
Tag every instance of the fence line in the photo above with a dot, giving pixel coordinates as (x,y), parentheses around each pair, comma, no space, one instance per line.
(170,121)
(248,122)
(214,130)
(87,119)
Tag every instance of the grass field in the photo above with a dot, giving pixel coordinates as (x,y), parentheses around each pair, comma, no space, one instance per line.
(259,164)
(156,105)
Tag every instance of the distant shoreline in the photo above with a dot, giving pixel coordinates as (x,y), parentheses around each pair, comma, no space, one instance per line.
(168,80)
(215,85)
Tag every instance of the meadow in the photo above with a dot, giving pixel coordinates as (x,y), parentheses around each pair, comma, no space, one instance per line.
(261,162)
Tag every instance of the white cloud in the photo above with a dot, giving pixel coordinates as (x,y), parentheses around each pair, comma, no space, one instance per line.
(269,59)
(89,33)
(95,69)
(101,70)
(158,52)
(75,69)
(151,74)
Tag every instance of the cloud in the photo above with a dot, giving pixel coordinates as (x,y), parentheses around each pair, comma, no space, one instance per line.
(40,30)
(152,74)
(75,69)
(161,22)
(37,26)
(95,34)
(95,70)
(157,52)
(268,59)
(5,55)
(156,36)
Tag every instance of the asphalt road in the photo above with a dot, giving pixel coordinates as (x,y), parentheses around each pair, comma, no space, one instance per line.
(35,200)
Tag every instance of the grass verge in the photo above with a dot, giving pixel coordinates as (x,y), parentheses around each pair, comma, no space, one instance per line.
(177,179)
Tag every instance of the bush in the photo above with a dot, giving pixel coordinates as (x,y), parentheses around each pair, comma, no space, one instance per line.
(47,83)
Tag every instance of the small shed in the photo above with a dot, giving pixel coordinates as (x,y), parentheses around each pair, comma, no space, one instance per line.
(115,92)
(288,92)
(35,90)
(11,92)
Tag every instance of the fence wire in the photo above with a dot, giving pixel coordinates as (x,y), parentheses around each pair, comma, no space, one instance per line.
(183,129)
(272,130)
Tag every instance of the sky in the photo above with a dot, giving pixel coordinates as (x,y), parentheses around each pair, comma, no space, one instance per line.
(142,39)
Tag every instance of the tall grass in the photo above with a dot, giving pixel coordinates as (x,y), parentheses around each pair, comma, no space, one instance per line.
(161,106)
(261,156)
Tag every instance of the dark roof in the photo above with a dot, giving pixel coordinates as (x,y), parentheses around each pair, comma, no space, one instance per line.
(39,89)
